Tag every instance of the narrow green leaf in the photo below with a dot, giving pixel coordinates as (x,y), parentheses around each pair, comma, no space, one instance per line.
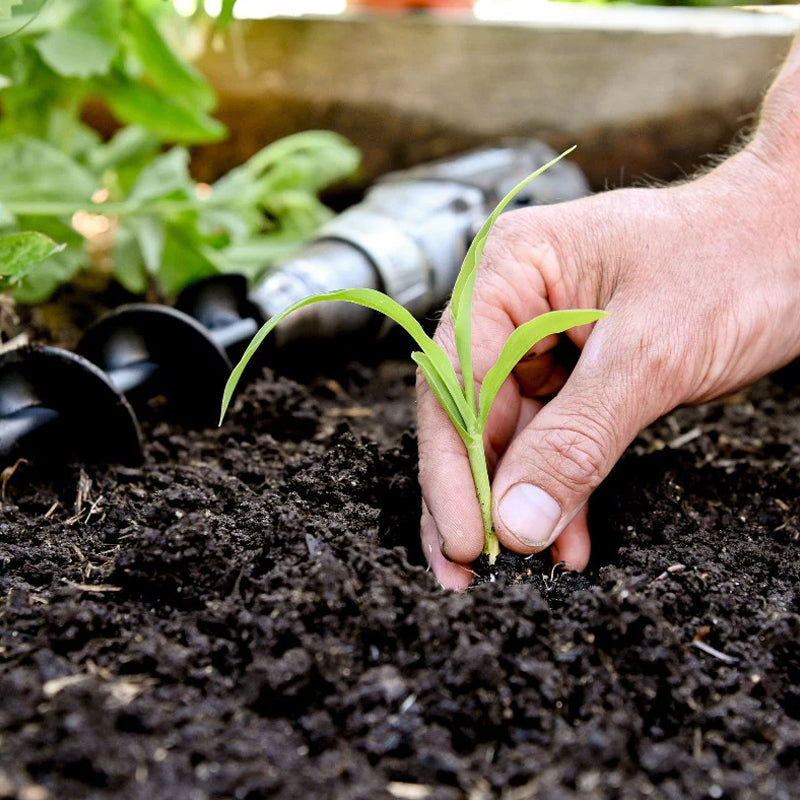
(441,391)
(500,207)
(473,258)
(520,342)
(463,337)
(377,301)
(461,302)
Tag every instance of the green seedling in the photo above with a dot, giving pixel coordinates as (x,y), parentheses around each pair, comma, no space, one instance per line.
(468,413)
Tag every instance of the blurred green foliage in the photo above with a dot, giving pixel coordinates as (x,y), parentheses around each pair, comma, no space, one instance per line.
(167,230)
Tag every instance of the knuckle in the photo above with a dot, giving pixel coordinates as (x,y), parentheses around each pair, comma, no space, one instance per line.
(661,369)
(509,242)
(577,457)
(654,359)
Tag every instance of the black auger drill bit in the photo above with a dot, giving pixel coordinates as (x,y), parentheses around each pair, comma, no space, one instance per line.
(148,350)
(54,403)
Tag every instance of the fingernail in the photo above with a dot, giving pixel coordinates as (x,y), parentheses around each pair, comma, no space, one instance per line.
(530,514)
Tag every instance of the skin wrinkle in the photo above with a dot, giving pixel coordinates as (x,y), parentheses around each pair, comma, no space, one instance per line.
(576,454)
(503,298)
(569,268)
(536,262)
(566,448)
(655,356)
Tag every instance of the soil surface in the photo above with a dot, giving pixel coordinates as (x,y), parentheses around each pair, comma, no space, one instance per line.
(247,615)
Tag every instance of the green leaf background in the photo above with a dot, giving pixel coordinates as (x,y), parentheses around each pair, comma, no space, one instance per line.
(167,233)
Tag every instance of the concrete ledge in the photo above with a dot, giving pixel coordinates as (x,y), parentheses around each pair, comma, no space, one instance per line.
(640,90)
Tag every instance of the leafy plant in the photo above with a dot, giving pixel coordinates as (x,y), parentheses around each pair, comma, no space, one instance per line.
(67,51)
(167,231)
(468,414)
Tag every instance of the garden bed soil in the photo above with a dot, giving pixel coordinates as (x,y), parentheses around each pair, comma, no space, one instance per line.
(247,615)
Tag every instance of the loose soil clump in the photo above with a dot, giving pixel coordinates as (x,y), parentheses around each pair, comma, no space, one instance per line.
(247,615)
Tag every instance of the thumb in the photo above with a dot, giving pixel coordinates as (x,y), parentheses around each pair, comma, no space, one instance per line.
(553,464)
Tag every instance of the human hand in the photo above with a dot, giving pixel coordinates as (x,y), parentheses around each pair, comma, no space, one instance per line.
(701,282)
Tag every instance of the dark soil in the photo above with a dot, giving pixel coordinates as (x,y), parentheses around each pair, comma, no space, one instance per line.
(247,615)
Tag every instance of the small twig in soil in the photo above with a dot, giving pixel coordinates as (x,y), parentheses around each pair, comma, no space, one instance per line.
(81,558)
(93,507)
(350,413)
(237,584)
(7,474)
(92,587)
(55,685)
(12,344)
(82,493)
(408,791)
(668,571)
(407,703)
(712,651)
(685,438)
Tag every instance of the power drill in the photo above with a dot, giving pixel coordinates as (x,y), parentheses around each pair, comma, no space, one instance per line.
(407,238)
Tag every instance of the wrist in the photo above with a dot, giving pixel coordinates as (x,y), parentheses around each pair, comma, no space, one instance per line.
(748,212)
(777,136)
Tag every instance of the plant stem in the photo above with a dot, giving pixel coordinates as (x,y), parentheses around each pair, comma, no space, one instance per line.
(480,476)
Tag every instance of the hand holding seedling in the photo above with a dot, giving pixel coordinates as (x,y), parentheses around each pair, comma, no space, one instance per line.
(466,405)
(701,283)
